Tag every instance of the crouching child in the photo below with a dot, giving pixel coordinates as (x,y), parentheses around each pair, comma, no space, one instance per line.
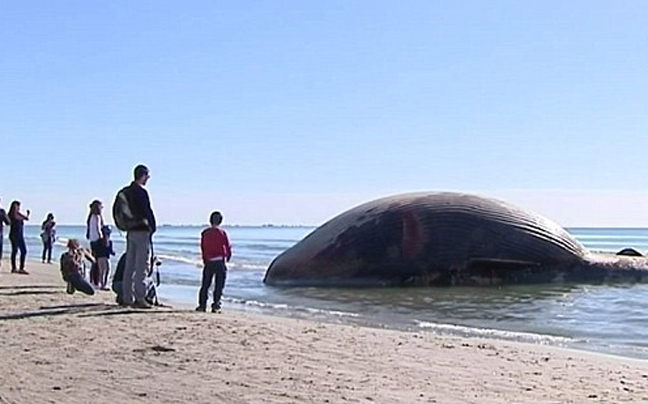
(72,269)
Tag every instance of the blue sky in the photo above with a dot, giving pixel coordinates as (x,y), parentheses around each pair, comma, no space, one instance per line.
(293,111)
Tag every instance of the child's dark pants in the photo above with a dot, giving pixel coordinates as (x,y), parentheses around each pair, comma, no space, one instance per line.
(217,270)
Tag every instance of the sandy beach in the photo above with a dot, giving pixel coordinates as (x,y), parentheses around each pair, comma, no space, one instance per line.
(60,348)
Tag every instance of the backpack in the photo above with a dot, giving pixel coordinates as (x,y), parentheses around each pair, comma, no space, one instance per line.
(122,214)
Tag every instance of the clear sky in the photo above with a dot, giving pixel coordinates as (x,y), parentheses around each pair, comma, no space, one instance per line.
(293,111)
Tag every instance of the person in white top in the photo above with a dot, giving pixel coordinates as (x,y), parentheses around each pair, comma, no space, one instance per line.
(94,223)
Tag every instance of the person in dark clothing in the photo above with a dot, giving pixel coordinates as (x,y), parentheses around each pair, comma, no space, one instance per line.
(102,252)
(138,240)
(139,201)
(48,235)
(118,279)
(16,236)
(94,223)
(4,220)
(216,250)
(72,268)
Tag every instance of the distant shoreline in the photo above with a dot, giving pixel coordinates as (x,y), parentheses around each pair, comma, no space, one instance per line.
(193,226)
(307,226)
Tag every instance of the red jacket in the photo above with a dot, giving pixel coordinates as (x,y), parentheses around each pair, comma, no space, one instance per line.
(215,244)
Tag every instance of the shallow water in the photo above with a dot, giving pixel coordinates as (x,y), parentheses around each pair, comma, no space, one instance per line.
(607,318)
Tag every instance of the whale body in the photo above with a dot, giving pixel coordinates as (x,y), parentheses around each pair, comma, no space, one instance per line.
(444,239)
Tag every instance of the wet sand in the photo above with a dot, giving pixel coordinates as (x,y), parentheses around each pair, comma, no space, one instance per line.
(60,348)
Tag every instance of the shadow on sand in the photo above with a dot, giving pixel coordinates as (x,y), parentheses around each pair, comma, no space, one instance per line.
(84,310)
(54,311)
(119,311)
(30,292)
(21,287)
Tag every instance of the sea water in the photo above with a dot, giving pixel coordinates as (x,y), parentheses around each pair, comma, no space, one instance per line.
(605,318)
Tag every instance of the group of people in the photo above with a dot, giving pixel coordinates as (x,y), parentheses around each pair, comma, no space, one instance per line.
(101,249)
(131,281)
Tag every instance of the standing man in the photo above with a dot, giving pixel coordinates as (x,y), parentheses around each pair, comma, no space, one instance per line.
(4,219)
(138,240)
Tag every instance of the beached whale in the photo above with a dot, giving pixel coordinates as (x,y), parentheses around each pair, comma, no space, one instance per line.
(444,239)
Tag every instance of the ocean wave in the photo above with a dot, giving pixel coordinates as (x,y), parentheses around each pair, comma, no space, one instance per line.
(269,240)
(493,333)
(194,238)
(611,237)
(243,248)
(261,247)
(178,258)
(246,266)
(61,242)
(283,306)
(235,265)
(614,243)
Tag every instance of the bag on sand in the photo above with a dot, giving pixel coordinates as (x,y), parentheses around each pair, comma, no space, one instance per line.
(151,282)
(122,214)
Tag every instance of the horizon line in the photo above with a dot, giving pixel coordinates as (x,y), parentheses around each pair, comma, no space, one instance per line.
(274,225)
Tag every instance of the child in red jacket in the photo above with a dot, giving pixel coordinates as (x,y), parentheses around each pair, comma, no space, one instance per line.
(216,251)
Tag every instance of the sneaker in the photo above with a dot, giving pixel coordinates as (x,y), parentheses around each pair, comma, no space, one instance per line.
(22,272)
(70,289)
(201,308)
(141,304)
(216,310)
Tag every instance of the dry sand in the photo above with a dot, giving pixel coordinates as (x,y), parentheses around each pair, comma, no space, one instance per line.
(59,348)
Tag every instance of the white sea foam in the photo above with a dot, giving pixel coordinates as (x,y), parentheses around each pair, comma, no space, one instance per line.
(197,262)
(254,303)
(246,266)
(61,242)
(336,313)
(178,258)
(492,333)
(283,306)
